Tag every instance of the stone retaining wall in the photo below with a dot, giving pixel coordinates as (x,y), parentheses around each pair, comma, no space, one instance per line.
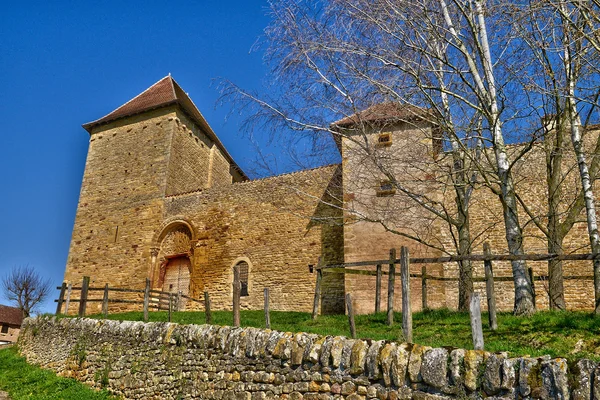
(171,361)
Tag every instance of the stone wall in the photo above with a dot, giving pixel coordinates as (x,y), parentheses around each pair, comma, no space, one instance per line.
(266,223)
(154,174)
(170,361)
(121,200)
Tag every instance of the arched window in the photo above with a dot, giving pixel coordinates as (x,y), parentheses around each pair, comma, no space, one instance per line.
(244,278)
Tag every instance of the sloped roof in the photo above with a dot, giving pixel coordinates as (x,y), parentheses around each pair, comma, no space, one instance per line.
(385,112)
(163,93)
(10,315)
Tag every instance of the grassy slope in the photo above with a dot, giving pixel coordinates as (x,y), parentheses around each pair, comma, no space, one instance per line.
(24,381)
(553,333)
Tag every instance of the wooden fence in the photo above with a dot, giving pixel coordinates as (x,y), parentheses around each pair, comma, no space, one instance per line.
(405,260)
(152,299)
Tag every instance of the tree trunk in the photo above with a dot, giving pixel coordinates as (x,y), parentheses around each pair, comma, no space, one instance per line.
(571,71)
(554,156)
(588,196)
(465,282)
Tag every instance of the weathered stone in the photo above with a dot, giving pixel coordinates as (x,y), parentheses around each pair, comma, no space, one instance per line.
(509,376)
(418,395)
(386,360)
(345,362)
(326,351)
(472,362)
(337,347)
(400,359)
(529,375)
(434,367)
(414,362)
(336,388)
(555,379)
(358,357)
(373,361)
(457,357)
(582,383)
(355,397)
(492,381)
(348,388)
(315,351)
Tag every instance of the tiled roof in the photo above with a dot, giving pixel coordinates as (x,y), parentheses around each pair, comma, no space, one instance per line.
(163,93)
(385,112)
(10,315)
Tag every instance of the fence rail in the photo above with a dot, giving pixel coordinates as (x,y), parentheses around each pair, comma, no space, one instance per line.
(472,257)
(405,260)
(153,298)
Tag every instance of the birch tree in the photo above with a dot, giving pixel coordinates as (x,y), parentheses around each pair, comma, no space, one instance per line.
(335,58)
(579,23)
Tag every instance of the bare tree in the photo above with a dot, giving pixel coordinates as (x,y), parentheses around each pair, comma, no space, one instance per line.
(26,288)
(562,38)
(338,57)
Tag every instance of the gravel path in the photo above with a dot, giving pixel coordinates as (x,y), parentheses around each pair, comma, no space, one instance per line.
(4,396)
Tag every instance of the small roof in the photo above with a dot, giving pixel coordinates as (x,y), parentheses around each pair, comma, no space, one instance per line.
(163,93)
(385,112)
(10,315)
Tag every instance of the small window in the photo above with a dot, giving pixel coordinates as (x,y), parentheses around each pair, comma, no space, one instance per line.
(386,188)
(244,278)
(384,139)
(4,329)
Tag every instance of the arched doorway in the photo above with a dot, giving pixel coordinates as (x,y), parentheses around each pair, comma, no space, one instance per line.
(172,262)
(177,277)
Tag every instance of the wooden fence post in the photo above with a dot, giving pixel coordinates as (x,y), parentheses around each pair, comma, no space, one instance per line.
(489,288)
(531,279)
(61,298)
(315,311)
(407,330)
(105,302)
(350,316)
(69,289)
(476,328)
(85,284)
(146,299)
(424,287)
(207,314)
(267,314)
(391,281)
(236,295)
(178,304)
(378,290)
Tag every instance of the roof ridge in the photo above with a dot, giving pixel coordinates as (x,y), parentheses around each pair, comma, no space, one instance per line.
(254,180)
(134,98)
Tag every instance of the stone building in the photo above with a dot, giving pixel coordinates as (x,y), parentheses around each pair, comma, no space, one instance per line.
(161,198)
(10,324)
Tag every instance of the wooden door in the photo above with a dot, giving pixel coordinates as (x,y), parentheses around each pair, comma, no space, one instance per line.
(177,277)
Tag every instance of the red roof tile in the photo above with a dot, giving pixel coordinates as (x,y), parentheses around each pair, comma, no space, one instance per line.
(10,315)
(385,112)
(160,94)
(163,93)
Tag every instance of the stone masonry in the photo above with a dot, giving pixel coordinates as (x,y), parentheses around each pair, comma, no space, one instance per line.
(159,186)
(170,361)
(160,190)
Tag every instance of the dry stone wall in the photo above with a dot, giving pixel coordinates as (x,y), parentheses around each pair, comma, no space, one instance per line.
(169,361)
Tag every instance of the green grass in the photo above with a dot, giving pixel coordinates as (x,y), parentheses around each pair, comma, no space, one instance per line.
(547,332)
(24,381)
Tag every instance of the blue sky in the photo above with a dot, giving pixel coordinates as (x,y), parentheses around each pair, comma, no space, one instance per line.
(64,63)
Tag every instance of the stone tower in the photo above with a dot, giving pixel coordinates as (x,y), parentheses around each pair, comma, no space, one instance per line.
(155,145)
